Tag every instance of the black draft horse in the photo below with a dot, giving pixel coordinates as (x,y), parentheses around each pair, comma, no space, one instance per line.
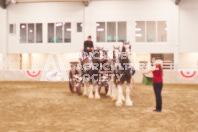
(125,72)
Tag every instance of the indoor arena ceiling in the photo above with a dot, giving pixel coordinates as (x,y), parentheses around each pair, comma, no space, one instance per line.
(5,3)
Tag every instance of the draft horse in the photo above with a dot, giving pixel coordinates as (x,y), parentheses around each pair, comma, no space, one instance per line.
(125,72)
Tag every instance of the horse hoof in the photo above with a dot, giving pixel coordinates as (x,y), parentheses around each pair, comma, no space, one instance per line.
(84,94)
(123,99)
(91,96)
(129,103)
(97,97)
(114,99)
(108,94)
(118,103)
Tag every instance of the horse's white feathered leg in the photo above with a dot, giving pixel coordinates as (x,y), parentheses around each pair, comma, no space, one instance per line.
(97,96)
(91,96)
(114,93)
(119,101)
(128,100)
(85,93)
(123,98)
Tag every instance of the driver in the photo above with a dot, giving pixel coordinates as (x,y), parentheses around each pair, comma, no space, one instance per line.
(88,46)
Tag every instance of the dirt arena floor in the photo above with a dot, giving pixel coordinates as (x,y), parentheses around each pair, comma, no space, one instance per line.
(50,107)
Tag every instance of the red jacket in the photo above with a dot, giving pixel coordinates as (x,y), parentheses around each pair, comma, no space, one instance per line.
(157,76)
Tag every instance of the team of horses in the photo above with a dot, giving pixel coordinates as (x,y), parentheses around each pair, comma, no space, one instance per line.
(98,70)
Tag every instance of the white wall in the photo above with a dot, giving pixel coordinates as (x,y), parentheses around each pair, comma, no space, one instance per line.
(188,26)
(45,13)
(188,60)
(132,11)
(1,28)
(129,11)
(3,37)
(182,25)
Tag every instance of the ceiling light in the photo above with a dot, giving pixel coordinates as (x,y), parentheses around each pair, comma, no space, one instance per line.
(68,29)
(23,26)
(138,29)
(138,35)
(59,24)
(100,29)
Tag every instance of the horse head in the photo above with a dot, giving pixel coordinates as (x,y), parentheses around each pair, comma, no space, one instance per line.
(99,53)
(116,52)
(126,48)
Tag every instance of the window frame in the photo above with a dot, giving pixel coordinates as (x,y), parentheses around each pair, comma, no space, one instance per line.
(27,33)
(116,29)
(156,32)
(63,33)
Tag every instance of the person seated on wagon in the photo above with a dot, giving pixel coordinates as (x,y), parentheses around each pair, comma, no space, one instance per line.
(88,46)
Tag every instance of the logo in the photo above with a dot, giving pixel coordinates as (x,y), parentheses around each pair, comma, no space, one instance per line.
(54,69)
(55,76)
(33,73)
(188,74)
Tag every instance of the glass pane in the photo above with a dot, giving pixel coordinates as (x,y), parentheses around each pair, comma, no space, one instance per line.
(30,33)
(151,31)
(23,34)
(100,31)
(51,38)
(121,32)
(111,31)
(140,31)
(79,27)
(11,28)
(59,32)
(39,33)
(67,35)
(161,31)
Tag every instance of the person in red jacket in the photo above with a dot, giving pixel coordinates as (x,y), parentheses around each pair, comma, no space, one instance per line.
(157,83)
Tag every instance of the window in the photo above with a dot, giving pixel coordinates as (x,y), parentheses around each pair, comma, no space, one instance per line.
(67,36)
(151,31)
(121,32)
(12,28)
(168,60)
(111,31)
(100,31)
(116,31)
(140,31)
(51,33)
(39,33)
(23,33)
(79,27)
(161,31)
(59,32)
(31,33)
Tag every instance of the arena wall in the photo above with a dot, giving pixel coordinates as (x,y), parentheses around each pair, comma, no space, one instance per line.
(181,21)
(188,26)
(129,11)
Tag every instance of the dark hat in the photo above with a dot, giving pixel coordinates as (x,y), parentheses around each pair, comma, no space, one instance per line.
(89,36)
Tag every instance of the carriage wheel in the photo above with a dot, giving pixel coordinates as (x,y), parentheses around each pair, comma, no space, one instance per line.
(71,83)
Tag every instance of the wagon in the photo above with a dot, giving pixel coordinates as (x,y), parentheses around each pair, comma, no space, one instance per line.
(75,79)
